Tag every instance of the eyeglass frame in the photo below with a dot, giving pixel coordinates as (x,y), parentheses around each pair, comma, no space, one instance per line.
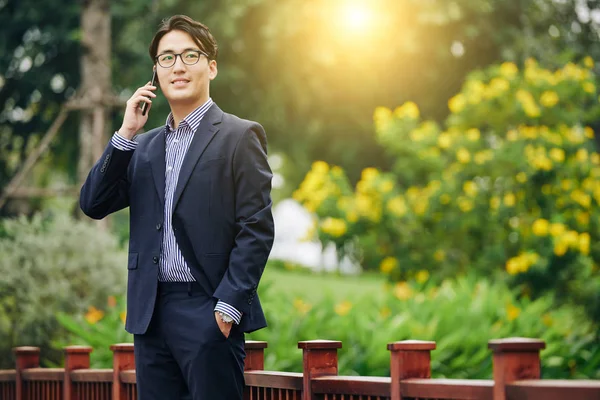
(181,57)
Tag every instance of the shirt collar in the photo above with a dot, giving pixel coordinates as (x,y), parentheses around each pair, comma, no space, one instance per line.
(192,120)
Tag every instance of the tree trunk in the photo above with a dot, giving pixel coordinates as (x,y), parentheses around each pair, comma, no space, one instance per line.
(95,82)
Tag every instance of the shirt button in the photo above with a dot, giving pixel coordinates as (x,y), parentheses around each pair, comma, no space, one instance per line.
(155,260)
(158,226)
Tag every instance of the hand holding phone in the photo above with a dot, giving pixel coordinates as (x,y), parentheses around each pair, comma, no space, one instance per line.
(134,120)
(152,82)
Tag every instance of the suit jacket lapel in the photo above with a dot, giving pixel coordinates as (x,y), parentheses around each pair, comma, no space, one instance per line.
(206,131)
(156,153)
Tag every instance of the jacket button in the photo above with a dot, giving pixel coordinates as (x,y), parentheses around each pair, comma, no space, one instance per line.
(249,301)
(158,226)
(155,260)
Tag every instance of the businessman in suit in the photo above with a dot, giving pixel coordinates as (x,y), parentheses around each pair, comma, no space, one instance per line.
(201,228)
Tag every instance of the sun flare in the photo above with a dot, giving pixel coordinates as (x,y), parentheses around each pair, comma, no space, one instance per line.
(356,16)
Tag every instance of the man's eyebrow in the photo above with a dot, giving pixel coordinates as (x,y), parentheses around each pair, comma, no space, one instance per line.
(184,50)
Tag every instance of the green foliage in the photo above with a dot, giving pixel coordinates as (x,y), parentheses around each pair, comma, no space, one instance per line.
(460,315)
(98,328)
(509,185)
(51,265)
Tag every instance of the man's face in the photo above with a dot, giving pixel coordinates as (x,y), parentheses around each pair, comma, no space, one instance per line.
(184,84)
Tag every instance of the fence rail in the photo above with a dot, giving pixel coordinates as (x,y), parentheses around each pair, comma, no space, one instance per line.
(516,376)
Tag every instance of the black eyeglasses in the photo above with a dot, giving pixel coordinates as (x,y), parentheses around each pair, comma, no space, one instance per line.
(188,57)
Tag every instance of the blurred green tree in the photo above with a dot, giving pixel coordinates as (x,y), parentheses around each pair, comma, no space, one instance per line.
(310,71)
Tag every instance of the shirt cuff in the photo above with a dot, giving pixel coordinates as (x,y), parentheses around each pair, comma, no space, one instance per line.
(123,144)
(229,310)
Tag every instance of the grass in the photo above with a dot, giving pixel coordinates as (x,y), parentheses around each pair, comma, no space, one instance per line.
(315,286)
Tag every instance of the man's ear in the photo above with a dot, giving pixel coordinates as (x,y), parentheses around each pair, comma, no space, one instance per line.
(212,69)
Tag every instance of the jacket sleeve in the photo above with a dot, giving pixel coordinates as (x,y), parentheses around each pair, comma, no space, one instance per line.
(106,187)
(252,179)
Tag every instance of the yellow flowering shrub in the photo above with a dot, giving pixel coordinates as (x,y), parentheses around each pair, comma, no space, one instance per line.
(509,184)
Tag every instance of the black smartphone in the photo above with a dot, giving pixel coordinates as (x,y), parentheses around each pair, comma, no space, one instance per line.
(145,105)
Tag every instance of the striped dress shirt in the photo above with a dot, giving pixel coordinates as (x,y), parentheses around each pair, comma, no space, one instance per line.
(172,265)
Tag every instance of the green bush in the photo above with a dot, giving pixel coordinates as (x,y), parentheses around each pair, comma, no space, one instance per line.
(509,188)
(52,265)
(460,315)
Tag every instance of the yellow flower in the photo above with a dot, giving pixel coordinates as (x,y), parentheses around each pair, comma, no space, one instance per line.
(512,312)
(343,308)
(397,206)
(457,103)
(521,177)
(583,218)
(595,158)
(444,140)
(337,171)
(387,186)
(557,229)
(94,315)
(421,207)
(549,98)
(473,134)
(509,69)
(509,199)
(402,291)
(588,62)
(579,196)
(546,189)
(540,227)
(352,216)
(470,188)
(512,135)
(388,264)
(465,204)
(320,167)
(439,255)
(422,276)
(382,117)
(408,109)
(584,243)
(463,155)
(302,306)
(334,226)
(560,248)
(557,154)
(547,320)
(494,203)
(589,132)
(589,87)
(369,174)
(123,316)
(497,87)
(581,155)
(385,312)
(445,198)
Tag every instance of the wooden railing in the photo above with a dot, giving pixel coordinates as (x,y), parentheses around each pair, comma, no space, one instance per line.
(516,376)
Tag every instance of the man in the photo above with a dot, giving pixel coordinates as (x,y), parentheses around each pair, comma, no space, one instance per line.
(201,227)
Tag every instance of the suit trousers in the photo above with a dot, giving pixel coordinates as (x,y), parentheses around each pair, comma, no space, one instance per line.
(184,354)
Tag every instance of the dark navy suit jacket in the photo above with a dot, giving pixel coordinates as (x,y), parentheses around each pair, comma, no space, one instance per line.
(222,217)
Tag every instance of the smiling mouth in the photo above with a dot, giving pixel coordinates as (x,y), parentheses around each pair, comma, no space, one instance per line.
(180,82)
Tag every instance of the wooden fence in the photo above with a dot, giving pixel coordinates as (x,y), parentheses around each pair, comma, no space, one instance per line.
(516,376)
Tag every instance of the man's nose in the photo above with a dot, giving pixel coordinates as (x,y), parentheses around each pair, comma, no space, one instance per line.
(179,65)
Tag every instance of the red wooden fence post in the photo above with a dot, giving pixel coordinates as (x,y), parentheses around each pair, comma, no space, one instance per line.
(255,355)
(123,359)
(319,358)
(515,359)
(409,359)
(26,357)
(76,357)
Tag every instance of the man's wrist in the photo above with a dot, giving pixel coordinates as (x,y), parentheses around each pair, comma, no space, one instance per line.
(224,317)
(125,133)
